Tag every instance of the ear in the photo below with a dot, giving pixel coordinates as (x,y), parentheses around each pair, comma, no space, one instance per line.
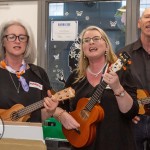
(107,46)
(3,44)
(139,23)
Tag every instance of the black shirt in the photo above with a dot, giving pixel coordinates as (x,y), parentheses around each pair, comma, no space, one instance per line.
(9,95)
(140,66)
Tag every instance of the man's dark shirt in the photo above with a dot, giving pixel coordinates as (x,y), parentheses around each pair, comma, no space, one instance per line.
(140,66)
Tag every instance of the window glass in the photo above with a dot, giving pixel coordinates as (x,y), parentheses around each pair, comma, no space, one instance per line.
(56,9)
(67,20)
(144,4)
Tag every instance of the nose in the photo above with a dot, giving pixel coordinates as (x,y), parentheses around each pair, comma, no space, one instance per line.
(17,39)
(91,40)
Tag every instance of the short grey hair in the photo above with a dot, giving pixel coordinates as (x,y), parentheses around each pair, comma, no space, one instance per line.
(142,11)
(30,52)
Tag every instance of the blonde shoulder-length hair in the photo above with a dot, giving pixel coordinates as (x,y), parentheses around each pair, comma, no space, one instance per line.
(30,52)
(83,60)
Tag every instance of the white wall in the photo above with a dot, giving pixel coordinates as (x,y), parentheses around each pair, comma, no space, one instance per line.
(26,11)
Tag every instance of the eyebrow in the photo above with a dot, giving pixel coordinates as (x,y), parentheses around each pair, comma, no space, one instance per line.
(146,15)
(93,36)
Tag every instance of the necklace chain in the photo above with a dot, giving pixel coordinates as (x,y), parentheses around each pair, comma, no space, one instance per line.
(17,88)
(95,74)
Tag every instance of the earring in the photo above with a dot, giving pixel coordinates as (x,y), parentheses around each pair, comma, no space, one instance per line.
(106,51)
(84,56)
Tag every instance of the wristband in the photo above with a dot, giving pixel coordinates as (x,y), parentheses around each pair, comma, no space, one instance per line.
(121,94)
(60,114)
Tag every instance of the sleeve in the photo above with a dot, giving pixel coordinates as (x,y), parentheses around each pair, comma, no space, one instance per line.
(129,85)
(66,104)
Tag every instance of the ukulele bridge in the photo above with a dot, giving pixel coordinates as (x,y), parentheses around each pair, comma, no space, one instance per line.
(14,116)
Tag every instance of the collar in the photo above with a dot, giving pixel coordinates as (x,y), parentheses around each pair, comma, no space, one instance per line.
(137,45)
(18,73)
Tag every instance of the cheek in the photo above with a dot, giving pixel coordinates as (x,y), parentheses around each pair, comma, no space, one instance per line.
(141,24)
(101,45)
(85,47)
(5,44)
(24,46)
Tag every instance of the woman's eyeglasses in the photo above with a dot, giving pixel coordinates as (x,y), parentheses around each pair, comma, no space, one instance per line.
(13,37)
(94,39)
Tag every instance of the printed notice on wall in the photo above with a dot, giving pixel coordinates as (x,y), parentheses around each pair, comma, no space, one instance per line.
(64,30)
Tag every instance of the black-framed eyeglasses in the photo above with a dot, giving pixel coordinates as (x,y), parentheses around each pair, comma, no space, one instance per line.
(13,37)
(94,39)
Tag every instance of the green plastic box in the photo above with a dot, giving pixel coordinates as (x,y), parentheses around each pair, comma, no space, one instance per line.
(52,128)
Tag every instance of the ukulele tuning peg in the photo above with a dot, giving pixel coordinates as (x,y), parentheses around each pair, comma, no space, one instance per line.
(120,54)
(129,62)
(124,68)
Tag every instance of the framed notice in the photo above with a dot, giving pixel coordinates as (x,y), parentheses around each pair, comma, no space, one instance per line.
(64,30)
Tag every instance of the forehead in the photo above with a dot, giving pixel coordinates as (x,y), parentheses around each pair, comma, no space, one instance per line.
(15,28)
(92,33)
(146,12)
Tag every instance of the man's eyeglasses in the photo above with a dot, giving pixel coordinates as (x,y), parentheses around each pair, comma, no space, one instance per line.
(13,37)
(94,39)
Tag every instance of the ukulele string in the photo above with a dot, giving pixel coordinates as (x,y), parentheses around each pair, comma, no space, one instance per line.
(28,109)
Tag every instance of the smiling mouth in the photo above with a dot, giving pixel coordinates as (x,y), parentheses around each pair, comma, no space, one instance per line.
(148,27)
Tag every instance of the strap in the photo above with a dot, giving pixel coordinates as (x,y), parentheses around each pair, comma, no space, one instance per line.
(104,70)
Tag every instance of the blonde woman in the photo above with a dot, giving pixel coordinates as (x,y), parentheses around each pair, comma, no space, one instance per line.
(118,100)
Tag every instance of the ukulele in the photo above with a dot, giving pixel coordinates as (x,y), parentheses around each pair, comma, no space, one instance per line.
(88,111)
(20,113)
(143,99)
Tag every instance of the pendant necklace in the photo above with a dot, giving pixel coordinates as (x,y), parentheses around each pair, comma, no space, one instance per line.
(17,88)
(95,74)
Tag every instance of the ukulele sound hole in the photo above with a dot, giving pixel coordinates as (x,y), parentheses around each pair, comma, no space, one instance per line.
(14,116)
(84,114)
